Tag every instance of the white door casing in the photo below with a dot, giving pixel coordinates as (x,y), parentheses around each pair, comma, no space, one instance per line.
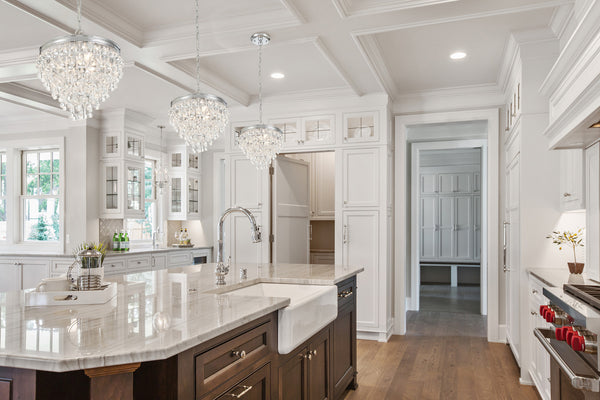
(291,210)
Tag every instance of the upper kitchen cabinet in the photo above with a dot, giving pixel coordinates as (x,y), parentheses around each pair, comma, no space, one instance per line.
(181,158)
(572,177)
(123,145)
(360,177)
(314,131)
(184,185)
(361,127)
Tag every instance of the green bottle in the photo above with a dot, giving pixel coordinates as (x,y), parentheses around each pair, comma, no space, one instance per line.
(121,241)
(126,241)
(116,242)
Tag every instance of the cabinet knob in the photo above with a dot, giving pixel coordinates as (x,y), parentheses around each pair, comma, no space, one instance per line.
(240,354)
(534,291)
(533,313)
(566,194)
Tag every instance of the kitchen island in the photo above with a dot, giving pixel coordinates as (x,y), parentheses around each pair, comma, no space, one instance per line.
(174,334)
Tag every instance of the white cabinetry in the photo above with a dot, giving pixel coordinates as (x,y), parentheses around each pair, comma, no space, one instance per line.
(360,180)
(361,127)
(306,132)
(123,189)
(22,273)
(572,180)
(322,183)
(184,188)
(539,367)
(592,214)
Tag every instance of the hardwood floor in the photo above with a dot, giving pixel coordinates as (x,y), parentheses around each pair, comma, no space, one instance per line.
(460,299)
(439,360)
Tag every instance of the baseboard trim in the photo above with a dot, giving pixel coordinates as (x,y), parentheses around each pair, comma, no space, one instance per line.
(377,336)
(501,333)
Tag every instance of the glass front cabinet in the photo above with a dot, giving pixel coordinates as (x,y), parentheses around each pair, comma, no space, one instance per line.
(311,131)
(361,127)
(184,183)
(122,194)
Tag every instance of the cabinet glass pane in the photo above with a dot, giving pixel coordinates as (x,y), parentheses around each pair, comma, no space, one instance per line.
(361,127)
(288,128)
(176,160)
(318,129)
(112,144)
(134,188)
(193,161)
(134,146)
(176,195)
(112,192)
(193,196)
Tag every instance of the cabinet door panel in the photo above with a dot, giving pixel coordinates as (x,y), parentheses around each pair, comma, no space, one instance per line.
(446,225)
(242,249)
(324,178)
(246,184)
(463,233)
(428,227)
(361,178)
(446,183)
(11,276)
(255,387)
(463,183)
(292,378)
(361,247)
(428,183)
(318,368)
(477,227)
(33,272)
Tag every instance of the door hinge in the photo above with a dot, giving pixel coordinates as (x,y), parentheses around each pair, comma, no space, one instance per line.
(271,170)
(272,238)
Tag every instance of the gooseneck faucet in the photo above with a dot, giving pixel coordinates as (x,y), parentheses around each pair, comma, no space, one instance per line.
(221,270)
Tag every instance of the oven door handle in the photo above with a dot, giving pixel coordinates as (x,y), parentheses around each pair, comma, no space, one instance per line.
(578,382)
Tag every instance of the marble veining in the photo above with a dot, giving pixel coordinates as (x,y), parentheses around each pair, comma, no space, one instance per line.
(155,315)
(110,253)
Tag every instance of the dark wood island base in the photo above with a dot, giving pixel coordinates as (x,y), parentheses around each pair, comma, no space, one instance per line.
(242,363)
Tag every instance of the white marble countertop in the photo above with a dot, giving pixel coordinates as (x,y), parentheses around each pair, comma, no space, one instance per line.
(557,277)
(110,253)
(130,327)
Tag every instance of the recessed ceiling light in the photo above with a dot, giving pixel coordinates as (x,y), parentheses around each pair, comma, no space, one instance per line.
(459,55)
(277,75)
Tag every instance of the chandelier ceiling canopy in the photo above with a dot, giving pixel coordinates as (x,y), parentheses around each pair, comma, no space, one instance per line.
(80,71)
(260,143)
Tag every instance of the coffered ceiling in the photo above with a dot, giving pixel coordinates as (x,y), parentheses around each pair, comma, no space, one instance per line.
(357,47)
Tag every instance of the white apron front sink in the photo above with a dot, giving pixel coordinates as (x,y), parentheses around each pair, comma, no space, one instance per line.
(311,308)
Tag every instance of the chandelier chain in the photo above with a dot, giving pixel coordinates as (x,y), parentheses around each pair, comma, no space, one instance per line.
(197,47)
(78,31)
(260,107)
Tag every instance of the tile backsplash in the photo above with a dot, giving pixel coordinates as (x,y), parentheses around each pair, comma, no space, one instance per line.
(107,229)
(172,227)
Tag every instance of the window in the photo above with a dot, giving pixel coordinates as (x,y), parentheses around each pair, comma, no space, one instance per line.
(3,196)
(41,195)
(141,229)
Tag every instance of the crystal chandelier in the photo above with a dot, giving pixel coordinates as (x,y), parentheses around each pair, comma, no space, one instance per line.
(260,143)
(79,70)
(161,173)
(198,118)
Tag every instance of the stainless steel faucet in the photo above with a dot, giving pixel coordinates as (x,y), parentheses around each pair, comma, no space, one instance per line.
(221,270)
(155,237)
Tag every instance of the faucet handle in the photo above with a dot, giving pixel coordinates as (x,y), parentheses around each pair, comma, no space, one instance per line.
(228,263)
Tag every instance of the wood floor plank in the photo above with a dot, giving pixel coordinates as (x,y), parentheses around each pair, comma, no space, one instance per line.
(440,363)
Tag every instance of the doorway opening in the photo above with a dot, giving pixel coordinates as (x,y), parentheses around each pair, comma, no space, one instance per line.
(447,214)
(303,208)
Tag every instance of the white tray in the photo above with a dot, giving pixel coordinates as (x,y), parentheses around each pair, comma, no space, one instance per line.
(74,297)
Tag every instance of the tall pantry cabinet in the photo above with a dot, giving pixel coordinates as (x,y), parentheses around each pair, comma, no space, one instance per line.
(531,206)
(360,138)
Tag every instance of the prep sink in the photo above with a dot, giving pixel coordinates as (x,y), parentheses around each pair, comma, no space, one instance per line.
(311,308)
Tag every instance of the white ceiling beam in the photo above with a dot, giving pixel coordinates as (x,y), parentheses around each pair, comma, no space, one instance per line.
(371,52)
(31,98)
(346,9)
(336,66)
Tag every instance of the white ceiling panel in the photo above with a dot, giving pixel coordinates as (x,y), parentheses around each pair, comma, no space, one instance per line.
(20,30)
(418,59)
(304,66)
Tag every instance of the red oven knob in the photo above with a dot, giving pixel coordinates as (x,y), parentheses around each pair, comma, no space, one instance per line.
(543,310)
(578,343)
(570,335)
(549,316)
(561,333)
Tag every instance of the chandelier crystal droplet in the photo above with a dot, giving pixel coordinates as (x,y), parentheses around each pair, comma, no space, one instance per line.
(80,71)
(198,118)
(260,143)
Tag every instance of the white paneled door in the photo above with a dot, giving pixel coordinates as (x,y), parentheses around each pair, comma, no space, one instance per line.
(291,211)
(512,257)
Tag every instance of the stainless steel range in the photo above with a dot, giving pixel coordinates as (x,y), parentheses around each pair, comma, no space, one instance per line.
(574,311)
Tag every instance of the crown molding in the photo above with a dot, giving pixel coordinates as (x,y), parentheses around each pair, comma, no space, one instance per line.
(33,123)
(293,10)
(31,98)
(371,52)
(42,16)
(346,9)
(560,20)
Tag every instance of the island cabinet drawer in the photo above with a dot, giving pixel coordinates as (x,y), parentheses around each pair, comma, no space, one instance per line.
(179,258)
(256,386)
(141,263)
(346,292)
(113,267)
(220,363)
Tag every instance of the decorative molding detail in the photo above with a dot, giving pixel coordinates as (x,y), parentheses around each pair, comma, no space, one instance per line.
(463,17)
(19,56)
(112,370)
(98,13)
(371,52)
(336,65)
(165,78)
(34,122)
(346,9)
(41,16)
(291,7)
(560,19)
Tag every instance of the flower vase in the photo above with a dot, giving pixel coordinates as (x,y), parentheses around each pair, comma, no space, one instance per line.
(575,268)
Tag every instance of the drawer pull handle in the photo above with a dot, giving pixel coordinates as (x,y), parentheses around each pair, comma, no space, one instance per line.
(239,354)
(345,293)
(533,312)
(310,354)
(192,290)
(241,394)
(534,291)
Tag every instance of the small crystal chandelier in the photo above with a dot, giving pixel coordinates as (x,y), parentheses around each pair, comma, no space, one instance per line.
(161,173)
(80,70)
(198,118)
(260,143)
